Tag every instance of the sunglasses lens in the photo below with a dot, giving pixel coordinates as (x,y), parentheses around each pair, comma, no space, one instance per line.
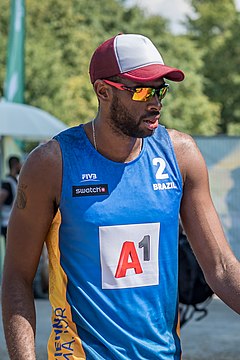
(143,94)
(163,92)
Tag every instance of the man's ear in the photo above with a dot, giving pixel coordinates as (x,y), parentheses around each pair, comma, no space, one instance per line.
(102,90)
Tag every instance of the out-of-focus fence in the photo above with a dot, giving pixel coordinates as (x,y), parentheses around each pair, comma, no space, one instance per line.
(222,155)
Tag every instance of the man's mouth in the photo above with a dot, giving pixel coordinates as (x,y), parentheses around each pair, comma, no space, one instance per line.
(152,122)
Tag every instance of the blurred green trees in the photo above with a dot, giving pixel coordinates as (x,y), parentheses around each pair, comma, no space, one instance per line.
(61,36)
(215,30)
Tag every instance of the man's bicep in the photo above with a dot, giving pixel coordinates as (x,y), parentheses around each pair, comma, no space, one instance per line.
(199,216)
(24,243)
(32,214)
(196,190)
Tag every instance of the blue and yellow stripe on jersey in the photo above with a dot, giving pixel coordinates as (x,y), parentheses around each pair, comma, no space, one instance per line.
(64,342)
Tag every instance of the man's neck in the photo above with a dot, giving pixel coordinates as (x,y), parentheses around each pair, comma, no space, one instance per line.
(116,147)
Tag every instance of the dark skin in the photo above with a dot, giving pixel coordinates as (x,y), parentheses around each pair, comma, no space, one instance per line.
(40,183)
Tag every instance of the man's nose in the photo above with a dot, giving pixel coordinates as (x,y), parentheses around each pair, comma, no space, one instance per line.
(155,103)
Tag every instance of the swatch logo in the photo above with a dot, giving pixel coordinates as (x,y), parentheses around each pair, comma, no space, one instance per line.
(90,190)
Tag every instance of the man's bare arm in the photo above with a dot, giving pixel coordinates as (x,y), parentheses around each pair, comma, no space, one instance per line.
(34,208)
(203,227)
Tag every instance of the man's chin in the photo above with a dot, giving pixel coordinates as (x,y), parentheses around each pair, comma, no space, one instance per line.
(145,134)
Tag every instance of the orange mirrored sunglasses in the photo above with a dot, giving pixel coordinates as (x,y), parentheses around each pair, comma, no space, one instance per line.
(142,93)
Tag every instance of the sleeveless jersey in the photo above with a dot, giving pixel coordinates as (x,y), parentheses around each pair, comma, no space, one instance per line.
(113,253)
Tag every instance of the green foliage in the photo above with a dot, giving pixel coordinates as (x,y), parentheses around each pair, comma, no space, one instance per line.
(214,17)
(187,108)
(216,30)
(4,18)
(62,35)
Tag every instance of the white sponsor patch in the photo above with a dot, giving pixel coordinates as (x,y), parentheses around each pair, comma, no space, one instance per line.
(129,255)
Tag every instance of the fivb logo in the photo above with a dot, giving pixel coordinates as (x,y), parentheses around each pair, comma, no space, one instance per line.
(88,177)
(129,257)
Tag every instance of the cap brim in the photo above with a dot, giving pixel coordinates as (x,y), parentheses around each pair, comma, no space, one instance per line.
(154,72)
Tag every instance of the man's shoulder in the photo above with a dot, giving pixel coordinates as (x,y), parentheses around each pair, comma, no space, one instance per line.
(179,136)
(181,141)
(185,148)
(43,158)
(42,171)
(44,151)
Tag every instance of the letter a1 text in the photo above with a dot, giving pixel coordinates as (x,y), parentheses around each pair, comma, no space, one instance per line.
(128,250)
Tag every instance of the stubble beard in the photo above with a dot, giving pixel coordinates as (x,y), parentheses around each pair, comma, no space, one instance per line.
(123,123)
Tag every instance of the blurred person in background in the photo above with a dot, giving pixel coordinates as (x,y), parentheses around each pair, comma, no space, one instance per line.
(8,192)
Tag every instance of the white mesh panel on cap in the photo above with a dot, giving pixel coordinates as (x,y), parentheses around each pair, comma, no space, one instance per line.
(135,51)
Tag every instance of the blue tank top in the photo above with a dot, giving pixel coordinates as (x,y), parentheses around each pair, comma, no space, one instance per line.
(113,253)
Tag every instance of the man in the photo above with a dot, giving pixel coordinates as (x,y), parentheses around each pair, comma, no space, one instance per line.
(8,192)
(108,209)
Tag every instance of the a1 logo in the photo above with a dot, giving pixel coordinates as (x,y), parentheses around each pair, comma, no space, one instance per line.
(129,257)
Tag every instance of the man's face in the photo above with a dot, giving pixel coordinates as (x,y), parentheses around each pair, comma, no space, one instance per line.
(135,118)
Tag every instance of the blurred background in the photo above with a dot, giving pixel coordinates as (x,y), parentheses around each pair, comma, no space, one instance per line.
(45,48)
(60,36)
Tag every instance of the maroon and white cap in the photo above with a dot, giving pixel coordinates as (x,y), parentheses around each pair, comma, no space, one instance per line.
(130,56)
